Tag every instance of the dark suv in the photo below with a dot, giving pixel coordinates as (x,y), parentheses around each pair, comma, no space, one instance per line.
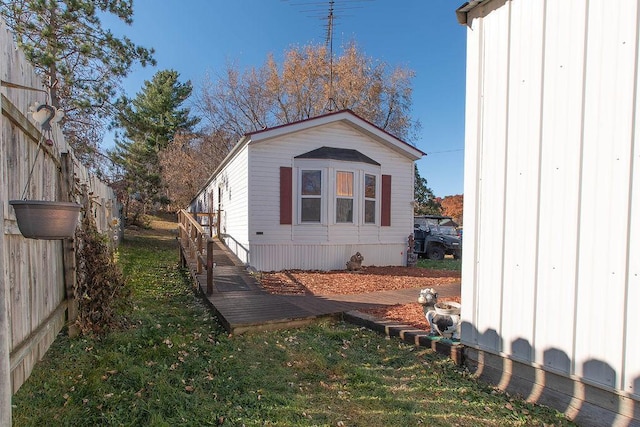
(433,239)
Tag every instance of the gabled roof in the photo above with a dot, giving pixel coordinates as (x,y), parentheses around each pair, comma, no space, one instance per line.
(344,154)
(347,117)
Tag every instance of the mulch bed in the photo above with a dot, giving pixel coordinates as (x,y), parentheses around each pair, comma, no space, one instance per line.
(369,279)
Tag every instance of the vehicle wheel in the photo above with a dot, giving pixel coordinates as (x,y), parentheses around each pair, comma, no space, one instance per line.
(436,253)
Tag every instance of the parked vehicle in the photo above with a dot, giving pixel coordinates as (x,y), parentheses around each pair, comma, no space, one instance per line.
(433,241)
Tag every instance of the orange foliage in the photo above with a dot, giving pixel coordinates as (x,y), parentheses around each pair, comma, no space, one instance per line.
(452,206)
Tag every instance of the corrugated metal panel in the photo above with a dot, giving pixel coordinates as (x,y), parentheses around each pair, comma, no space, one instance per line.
(559,184)
(521,178)
(551,228)
(492,152)
(631,378)
(605,183)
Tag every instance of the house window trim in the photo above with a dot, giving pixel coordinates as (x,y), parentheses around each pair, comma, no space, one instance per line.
(353,197)
(322,196)
(376,199)
(329,170)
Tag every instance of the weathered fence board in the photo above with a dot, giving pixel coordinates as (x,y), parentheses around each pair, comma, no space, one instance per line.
(36,279)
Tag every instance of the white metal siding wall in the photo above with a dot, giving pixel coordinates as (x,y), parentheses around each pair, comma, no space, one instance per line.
(552,259)
(235,202)
(232,180)
(324,257)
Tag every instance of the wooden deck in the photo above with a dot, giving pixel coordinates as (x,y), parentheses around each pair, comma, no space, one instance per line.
(242,305)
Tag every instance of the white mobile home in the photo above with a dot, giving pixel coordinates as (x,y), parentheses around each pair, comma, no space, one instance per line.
(309,195)
(551,269)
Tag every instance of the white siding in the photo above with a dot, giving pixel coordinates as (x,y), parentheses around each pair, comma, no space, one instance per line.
(275,257)
(235,218)
(230,194)
(278,246)
(551,263)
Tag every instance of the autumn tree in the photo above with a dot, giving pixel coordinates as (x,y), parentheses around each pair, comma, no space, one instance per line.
(304,87)
(196,154)
(82,63)
(425,201)
(453,206)
(150,122)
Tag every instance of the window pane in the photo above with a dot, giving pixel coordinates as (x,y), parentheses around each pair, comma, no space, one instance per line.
(310,210)
(344,184)
(311,183)
(369,211)
(370,186)
(344,210)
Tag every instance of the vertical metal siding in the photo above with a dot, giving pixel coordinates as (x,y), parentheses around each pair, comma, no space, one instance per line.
(631,372)
(522,177)
(607,142)
(561,144)
(551,185)
(276,257)
(492,178)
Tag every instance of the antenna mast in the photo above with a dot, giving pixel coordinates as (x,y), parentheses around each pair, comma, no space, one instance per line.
(331,103)
(317,8)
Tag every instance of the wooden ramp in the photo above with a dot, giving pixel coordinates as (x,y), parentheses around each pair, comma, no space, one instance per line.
(242,305)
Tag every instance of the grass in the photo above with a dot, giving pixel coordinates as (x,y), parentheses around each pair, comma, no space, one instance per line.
(445,264)
(176,366)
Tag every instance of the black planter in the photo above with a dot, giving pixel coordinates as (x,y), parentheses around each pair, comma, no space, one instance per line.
(46,220)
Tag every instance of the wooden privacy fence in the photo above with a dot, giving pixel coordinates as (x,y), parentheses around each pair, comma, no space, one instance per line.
(37,277)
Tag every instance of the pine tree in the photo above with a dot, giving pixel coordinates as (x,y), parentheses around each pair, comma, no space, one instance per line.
(149,123)
(82,63)
(426,203)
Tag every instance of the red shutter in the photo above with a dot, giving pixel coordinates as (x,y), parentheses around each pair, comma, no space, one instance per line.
(286,200)
(385,219)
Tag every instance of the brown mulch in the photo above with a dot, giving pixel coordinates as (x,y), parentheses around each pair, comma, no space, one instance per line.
(407,314)
(369,279)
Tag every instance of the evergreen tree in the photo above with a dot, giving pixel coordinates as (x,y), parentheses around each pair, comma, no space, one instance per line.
(82,63)
(149,123)
(426,203)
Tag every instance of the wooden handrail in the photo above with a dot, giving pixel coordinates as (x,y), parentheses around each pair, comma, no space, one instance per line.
(198,244)
(212,220)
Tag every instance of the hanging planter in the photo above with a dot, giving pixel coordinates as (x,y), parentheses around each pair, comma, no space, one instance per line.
(38,219)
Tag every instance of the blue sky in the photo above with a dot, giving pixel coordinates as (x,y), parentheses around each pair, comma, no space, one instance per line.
(198,37)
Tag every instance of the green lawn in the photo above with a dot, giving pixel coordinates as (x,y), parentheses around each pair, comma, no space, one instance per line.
(175,365)
(445,264)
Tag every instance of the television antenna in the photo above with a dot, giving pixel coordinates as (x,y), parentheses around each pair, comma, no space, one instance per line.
(331,102)
(318,9)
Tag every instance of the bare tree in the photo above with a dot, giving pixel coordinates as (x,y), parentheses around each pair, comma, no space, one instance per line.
(187,162)
(306,85)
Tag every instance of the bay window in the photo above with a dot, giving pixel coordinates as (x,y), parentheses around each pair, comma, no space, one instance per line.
(344,197)
(311,196)
(369,199)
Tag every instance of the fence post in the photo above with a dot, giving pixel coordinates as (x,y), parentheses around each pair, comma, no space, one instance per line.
(209,266)
(198,256)
(68,247)
(5,338)
(180,238)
